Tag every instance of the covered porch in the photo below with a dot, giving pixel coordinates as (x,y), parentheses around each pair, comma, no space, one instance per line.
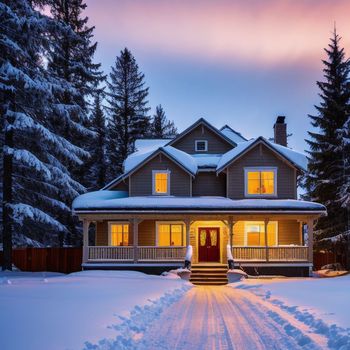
(165,239)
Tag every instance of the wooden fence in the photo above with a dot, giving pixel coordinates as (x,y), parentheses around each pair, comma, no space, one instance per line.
(324,258)
(65,260)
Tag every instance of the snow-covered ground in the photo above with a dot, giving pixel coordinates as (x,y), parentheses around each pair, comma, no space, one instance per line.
(321,303)
(106,310)
(54,311)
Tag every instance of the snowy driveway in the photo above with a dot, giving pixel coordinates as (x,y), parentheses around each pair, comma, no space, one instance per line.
(227,318)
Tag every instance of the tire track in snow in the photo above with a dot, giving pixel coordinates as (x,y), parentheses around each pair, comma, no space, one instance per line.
(224,318)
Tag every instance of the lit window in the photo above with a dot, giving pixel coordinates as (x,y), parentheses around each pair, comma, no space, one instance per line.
(170,235)
(260,182)
(255,233)
(161,181)
(119,234)
(201,145)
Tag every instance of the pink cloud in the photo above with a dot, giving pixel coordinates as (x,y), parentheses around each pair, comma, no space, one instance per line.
(227,32)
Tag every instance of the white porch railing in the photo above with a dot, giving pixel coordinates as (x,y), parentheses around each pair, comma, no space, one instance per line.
(126,254)
(161,253)
(249,253)
(279,253)
(99,253)
(291,253)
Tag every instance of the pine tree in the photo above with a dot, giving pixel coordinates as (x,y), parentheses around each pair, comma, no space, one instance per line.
(128,110)
(96,166)
(34,179)
(161,127)
(326,164)
(72,62)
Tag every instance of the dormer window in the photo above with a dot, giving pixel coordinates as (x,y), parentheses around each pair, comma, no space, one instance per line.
(260,182)
(201,145)
(161,182)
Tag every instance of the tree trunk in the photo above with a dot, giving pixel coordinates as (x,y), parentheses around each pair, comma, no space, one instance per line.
(7,199)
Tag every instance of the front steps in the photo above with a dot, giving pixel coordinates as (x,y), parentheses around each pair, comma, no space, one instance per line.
(209,274)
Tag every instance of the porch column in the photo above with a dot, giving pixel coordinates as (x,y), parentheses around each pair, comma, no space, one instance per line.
(188,231)
(86,225)
(266,222)
(230,231)
(230,257)
(135,230)
(310,239)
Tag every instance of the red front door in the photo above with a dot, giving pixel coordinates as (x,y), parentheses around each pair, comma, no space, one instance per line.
(208,244)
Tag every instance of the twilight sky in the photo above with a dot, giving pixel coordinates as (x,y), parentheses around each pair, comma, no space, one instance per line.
(233,62)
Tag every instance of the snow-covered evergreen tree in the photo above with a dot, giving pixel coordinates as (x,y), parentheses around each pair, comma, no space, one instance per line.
(35,182)
(327,154)
(128,110)
(161,127)
(71,61)
(96,167)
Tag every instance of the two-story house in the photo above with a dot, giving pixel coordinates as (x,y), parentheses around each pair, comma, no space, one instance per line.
(203,195)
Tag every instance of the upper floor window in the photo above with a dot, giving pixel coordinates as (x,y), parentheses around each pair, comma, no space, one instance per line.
(161,182)
(118,234)
(201,145)
(260,181)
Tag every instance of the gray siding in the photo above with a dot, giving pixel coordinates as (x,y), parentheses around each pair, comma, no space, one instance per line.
(216,145)
(141,181)
(208,184)
(261,156)
(121,186)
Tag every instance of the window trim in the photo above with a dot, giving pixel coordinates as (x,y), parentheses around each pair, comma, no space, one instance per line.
(110,223)
(261,168)
(171,223)
(201,150)
(153,182)
(246,223)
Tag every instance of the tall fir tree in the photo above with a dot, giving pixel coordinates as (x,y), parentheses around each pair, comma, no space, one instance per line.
(326,164)
(34,179)
(72,61)
(96,166)
(161,127)
(128,110)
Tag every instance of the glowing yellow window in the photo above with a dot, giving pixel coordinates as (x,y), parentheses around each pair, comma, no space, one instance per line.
(255,233)
(170,235)
(260,182)
(119,234)
(161,182)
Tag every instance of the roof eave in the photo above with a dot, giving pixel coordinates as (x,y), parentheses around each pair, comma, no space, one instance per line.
(199,211)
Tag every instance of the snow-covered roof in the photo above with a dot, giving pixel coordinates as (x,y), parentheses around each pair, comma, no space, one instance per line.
(182,158)
(298,159)
(233,135)
(146,148)
(233,153)
(117,201)
(207,160)
(147,143)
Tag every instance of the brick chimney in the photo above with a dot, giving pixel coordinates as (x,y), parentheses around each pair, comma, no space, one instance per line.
(280,131)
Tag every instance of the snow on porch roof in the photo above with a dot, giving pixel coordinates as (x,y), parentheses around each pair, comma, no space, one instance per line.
(118,201)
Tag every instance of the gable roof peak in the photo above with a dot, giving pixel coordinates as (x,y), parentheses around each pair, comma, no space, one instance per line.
(211,127)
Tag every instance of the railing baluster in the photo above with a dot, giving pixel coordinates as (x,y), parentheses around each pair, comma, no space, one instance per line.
(292,253)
